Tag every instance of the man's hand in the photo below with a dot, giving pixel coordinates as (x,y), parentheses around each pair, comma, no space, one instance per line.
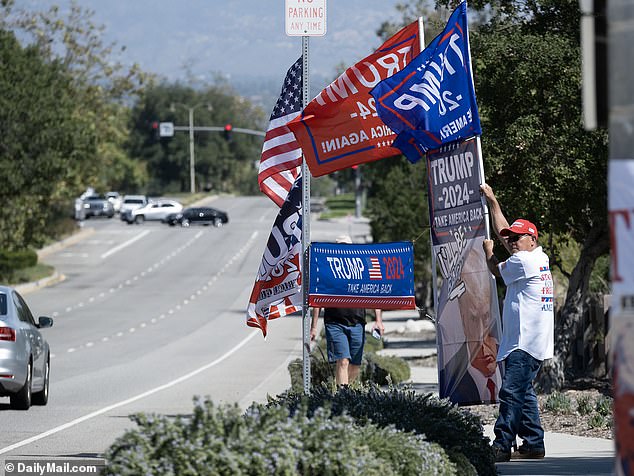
(488,248)
(487,191)
(492,261)
(313,333)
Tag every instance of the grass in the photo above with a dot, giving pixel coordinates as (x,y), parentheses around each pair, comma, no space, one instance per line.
(558,403)
(339,206)
(33,273)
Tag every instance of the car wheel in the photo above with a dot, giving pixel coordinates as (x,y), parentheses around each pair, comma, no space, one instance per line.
(185,222)
(41,397)
(139,219)
(217,222)
(22,399)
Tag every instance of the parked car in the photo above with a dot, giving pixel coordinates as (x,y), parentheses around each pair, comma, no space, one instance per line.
(115,199)
(129,203)
(25,356)
(198,216)
(97,206)
(155,210)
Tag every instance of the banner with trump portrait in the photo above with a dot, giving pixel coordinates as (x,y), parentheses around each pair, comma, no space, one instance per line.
(467,312)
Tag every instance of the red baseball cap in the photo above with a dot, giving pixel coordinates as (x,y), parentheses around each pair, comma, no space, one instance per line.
(520,227)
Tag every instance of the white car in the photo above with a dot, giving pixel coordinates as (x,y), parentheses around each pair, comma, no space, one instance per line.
(155,210)
(129,203)
(115,199)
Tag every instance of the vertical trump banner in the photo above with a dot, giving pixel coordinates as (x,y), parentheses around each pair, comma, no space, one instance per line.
(621,215)
(467,312)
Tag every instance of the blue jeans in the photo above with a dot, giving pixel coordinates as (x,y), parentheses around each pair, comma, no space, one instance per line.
(519,409)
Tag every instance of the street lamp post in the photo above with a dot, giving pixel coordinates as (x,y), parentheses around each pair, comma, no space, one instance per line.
(192,158)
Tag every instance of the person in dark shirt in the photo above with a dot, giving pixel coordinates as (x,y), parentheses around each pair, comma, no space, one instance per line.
(345,336)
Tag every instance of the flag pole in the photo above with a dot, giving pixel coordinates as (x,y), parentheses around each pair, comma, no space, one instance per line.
(434,281)
(306,320)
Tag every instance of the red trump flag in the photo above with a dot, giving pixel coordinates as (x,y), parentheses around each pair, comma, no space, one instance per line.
(340,127)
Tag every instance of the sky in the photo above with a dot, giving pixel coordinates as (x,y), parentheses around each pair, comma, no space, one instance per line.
(238,38)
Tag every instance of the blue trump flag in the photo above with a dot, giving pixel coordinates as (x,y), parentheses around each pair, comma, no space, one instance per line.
(432,101)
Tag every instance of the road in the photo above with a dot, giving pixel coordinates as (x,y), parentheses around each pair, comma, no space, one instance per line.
(148,317)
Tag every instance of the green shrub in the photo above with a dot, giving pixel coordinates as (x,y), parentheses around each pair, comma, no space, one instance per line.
(378,369)
(456,430)
(321,373)
(384,370)
(270,441)
(584,405)
(604,406)
(598,421)
(11,261)
(558,402)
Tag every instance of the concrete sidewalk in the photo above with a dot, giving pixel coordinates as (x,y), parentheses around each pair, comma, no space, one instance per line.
(412,338)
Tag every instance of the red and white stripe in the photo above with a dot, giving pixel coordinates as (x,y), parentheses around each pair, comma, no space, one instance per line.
(375,269)
(281,160)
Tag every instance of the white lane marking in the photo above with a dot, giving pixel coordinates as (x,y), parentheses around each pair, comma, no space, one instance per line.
(124,244)
(122,403)
(186,301)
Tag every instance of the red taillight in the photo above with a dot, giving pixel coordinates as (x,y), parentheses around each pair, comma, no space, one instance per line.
(6,333)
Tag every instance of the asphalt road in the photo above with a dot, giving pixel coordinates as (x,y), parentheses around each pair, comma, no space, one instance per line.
(148,317)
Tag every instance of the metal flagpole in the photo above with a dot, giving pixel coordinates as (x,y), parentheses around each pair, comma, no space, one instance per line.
(434,269)
(306,319)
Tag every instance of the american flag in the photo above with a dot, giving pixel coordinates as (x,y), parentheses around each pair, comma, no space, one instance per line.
(375,269)
(281,159)
(278,285)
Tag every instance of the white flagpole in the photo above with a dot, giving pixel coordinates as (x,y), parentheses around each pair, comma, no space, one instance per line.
(306,319)
(434,269)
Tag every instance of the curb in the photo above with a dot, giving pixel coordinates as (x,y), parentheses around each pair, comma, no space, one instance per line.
(41,283)
(56,277)
(76,237)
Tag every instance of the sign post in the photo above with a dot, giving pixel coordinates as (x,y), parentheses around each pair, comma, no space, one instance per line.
(305,18)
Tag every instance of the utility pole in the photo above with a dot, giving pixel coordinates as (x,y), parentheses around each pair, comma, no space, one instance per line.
(192,158)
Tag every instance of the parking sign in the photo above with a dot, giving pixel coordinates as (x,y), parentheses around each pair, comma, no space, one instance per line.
(305,17)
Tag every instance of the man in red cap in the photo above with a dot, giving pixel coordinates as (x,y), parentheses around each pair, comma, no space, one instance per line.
(527,331)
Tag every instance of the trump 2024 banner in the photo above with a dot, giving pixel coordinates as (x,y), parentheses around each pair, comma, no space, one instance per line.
(432,101)
(340,127)
(467,315)
(376,276)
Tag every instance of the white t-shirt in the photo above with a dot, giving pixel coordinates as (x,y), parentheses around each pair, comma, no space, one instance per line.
(528,319)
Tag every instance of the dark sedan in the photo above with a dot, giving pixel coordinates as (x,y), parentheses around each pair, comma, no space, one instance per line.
(198,216)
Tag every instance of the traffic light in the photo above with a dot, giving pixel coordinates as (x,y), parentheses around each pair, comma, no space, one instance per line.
(227,132)
(154,125)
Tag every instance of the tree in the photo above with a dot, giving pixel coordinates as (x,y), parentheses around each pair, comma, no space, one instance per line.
(102,88)
(539,158)
(398,211)
(227,166)
(42,136)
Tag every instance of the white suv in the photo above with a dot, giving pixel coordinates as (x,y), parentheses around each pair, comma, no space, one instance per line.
(157,209)
(129,203)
